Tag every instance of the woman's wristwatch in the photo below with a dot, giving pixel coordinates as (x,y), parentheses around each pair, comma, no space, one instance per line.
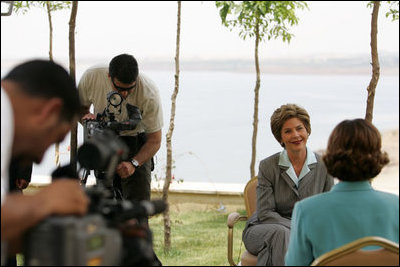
(135,163)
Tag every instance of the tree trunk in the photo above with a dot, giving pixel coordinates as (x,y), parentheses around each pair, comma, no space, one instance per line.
(255,116)
(375,63)
(51,30)
(167,220)
(57,145)
(74,130)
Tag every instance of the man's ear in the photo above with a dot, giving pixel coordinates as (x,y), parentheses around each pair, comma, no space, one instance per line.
(49,113)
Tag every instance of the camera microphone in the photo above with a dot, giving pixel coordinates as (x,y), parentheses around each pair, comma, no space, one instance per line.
(153,207)
(126,210)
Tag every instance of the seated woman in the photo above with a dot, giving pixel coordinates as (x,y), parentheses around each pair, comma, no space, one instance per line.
(352,209)
(283,179)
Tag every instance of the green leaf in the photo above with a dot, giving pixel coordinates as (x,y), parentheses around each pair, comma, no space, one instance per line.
(224,12)
(272,17)
(24,6)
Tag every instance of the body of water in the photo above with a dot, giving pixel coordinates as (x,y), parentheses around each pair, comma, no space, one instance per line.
(214,116)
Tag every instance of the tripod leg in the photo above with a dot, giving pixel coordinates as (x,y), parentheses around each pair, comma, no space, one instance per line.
(85,176)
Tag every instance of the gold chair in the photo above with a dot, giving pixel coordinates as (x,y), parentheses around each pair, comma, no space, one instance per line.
(249,194)
(352,255)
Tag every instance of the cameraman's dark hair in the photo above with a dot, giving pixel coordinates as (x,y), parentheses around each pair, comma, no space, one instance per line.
(354,151)
(284,113)
(46,79)
(124,67)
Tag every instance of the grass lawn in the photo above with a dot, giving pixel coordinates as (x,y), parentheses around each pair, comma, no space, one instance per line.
(199,238)
(199,235)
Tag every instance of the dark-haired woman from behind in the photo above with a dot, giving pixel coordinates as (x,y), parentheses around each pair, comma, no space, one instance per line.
(352,209)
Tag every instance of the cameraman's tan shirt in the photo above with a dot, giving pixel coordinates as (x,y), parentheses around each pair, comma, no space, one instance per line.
(95,85)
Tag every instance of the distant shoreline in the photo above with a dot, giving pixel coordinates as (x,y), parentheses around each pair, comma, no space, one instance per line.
(357,65)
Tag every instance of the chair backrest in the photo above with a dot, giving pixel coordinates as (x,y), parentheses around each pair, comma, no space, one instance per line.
(250,196)
(352,255)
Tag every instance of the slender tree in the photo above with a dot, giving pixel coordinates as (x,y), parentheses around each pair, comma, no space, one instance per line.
(74,130)
(259,19)
(50,6)
(374,52)
(375,62)
(168,175)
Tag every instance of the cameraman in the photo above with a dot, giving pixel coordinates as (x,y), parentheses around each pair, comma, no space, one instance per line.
(133,177)
(39,104)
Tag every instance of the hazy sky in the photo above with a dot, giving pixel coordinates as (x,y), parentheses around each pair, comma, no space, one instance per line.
(147,30)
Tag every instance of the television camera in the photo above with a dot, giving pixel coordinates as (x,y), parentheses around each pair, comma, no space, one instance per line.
(113,232)
(100,136)
(106,119)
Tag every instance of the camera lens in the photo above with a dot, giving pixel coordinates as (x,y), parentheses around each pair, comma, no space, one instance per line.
(93,156)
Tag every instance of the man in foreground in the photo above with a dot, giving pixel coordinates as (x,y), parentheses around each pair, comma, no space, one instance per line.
(39,104)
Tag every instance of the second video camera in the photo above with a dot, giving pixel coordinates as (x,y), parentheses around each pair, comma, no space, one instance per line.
(106,119)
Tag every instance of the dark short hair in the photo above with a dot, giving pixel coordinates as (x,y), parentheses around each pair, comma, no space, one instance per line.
(124,67)
(284,113)
(46,79)
(354,151)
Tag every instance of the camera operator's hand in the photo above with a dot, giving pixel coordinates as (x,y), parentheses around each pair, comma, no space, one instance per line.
(125,169)
(65,196)
(88,116)
(21,183)
(20,212)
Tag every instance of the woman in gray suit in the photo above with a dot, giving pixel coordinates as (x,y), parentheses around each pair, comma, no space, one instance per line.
(283,179)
